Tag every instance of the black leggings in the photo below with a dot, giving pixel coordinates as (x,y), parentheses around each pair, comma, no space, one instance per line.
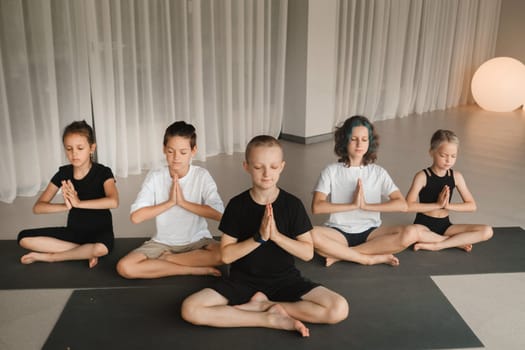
(69,235)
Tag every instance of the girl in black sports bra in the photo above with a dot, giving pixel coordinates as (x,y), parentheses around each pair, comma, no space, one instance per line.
(430,197)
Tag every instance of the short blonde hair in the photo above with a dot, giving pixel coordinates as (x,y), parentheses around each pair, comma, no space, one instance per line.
(261,141)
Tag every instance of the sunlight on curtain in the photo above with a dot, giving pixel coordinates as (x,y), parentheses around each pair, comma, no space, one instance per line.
(216,64)
(403,56)
(43,86)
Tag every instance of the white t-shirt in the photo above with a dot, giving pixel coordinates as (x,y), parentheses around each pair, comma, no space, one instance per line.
(177,226)
(339,183)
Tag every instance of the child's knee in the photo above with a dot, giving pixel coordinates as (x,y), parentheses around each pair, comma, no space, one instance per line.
(338,311)
(125,269)
(189,311)
(487,232)
(314,233)
(409,235)
(23,242)
(99,250)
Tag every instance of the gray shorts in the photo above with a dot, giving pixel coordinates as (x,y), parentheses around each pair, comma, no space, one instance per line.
(153,249)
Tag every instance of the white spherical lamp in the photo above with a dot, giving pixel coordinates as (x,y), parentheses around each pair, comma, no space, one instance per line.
(499,84)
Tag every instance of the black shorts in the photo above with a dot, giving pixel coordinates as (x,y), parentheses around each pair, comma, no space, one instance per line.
(74,236)
(437,225)
(289,289)
(354,239)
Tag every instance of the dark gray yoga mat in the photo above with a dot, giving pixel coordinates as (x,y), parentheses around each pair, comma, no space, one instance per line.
(386,313)
(503,253)
(74,274)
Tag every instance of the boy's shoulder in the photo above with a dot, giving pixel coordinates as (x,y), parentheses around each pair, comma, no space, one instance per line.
(241,197)
(283,194)
(197,171)
(291,201)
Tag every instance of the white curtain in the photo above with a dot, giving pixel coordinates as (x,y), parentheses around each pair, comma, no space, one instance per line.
(44,85)
(397,57)
(216,64)
(130,68)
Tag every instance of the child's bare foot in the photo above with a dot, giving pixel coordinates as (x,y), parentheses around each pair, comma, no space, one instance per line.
(330,261)
(34,257)
(424,246)
(258,302)
(388,259)
(27,259)
(466,247)
(280,319)
(93,262)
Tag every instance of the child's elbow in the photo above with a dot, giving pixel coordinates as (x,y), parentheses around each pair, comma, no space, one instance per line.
(114,204)
(135,218)
(309,256)
(315,209)
(404,207)
(37,209)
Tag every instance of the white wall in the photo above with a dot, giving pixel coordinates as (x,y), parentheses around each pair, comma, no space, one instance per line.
(310,69)
(320,87)
(294,110)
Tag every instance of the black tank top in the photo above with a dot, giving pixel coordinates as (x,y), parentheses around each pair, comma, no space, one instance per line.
(434,186)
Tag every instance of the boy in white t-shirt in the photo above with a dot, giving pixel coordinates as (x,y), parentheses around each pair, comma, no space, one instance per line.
(180,197)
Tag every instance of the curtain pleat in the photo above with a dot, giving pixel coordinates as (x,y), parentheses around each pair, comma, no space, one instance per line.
(397,57)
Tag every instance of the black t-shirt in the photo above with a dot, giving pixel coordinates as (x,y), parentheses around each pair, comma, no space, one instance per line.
(242,218)
(89,187)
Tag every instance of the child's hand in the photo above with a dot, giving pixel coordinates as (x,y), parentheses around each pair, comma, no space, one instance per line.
(71,195)
(266,225)
(358,195)
(444,197)
(361,192)
(273,226)
(174,190)
(180,194)
(66,201)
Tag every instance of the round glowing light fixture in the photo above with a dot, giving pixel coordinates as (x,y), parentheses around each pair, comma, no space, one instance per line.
(499,84)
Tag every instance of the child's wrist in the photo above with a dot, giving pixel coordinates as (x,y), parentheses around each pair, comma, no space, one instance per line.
(257,237)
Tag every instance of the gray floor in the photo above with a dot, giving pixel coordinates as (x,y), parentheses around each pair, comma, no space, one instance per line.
(491,158)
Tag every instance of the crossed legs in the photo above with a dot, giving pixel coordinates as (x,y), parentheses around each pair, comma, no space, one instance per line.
(49,249)
(194,262)
(320,305)
(461,235)
(379,248)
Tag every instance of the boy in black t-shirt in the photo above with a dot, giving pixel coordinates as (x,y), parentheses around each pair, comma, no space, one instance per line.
(263,229)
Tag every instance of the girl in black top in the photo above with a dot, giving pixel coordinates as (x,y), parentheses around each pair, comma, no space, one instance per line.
(89,191)
(434,187)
